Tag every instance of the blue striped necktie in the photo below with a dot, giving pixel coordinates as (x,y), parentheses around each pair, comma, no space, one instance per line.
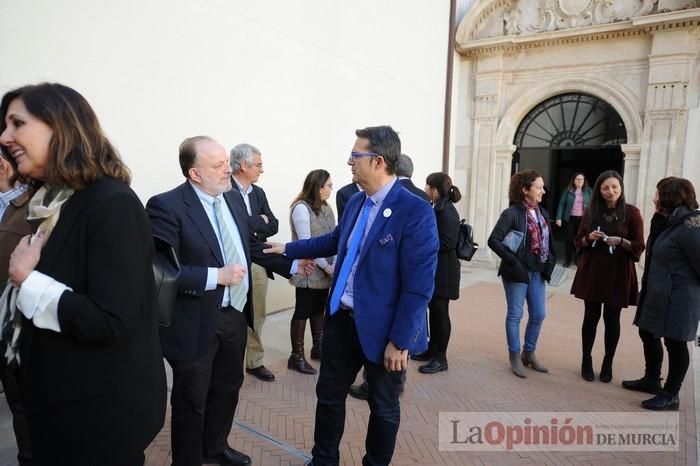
(238,294)
(350,255)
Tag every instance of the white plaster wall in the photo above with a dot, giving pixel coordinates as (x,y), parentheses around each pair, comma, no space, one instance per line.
(293,77)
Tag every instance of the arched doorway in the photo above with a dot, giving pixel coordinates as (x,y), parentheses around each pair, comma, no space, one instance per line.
(565,134)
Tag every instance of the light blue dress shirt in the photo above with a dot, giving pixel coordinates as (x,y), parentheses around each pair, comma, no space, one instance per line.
(208,203)
(378,198)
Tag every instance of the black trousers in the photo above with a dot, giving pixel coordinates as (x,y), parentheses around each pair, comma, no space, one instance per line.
(309,302)
(13,393)
(611,319)
(342,357)
(678,360)
(205,393)
(440,325)
(571,229)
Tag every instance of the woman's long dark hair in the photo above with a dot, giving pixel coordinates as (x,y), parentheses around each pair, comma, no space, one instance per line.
(79,152)
(311,191)
(598,207)
(443,184)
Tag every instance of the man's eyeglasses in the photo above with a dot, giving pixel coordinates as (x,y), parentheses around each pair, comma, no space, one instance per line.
(363,154)
(259,165)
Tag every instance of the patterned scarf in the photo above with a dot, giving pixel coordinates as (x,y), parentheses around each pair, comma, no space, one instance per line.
(539,232)
(44,210)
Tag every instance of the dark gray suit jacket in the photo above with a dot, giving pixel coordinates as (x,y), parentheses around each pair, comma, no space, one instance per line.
(177,217)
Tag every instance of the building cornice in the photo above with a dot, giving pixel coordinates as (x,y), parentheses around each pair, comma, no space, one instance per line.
(637,26)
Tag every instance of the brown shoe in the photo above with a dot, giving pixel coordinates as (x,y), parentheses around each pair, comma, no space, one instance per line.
(262,373)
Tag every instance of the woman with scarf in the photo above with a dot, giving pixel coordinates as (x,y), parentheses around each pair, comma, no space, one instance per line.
(669,304)
(522,239)
(609,241)
(79,314)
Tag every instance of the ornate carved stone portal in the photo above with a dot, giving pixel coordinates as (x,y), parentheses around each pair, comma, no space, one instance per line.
(539,80)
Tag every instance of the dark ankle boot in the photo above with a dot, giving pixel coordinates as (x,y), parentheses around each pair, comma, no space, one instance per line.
(317,335)
(647,384)
(587,368)
(437,364)
(606,370)
(663,401)
(297,361)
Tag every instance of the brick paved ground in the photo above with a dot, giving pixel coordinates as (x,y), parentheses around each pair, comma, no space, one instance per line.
(275,420)
(478,379)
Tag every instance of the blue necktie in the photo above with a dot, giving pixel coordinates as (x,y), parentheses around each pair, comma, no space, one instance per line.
(350,255)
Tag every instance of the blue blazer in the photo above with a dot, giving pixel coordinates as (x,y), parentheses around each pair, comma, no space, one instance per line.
(395,274)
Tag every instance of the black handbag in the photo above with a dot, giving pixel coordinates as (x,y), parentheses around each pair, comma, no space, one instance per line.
(466,247)
(166,270)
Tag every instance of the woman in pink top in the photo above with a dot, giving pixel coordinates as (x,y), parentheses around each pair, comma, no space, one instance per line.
(573,201)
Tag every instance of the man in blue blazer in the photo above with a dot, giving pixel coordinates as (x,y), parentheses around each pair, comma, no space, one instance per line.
(386,243)
(205,342)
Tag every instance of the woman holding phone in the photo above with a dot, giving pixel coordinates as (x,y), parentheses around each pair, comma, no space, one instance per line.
(610,240)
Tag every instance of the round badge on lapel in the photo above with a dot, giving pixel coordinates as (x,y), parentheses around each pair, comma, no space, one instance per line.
(387,212)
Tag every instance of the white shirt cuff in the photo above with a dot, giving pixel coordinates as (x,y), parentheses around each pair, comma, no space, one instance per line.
(295,266)
(38,299)
(212,278)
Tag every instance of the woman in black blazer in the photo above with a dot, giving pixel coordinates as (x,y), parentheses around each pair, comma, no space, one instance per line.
(90,362)
(443,194)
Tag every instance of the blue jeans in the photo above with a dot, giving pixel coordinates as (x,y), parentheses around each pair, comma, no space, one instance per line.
(516,295)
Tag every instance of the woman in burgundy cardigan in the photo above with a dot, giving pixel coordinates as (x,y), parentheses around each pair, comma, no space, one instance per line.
(610,240)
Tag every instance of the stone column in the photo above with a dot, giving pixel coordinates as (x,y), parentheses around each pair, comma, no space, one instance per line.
(486,170)
(666,111)
(632,155)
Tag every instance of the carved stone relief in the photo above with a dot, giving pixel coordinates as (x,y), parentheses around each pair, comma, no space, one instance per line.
(523,17)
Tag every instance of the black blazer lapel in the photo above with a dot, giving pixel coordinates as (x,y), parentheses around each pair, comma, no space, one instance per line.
(71,211)
(254,201)
(196,213)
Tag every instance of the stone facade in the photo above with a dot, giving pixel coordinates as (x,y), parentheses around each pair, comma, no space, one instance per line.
(640,56)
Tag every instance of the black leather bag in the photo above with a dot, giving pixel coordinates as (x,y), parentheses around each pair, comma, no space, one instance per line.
(166,270)
(466,247)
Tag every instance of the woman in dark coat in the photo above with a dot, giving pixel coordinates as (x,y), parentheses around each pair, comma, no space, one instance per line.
(523,240)
(669,304)
(610,240)
(90,362)
(443,195)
